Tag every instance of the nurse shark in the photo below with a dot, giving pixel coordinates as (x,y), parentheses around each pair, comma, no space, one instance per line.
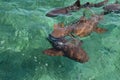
(82,27)
(72,8)
(71,48)
(114,7)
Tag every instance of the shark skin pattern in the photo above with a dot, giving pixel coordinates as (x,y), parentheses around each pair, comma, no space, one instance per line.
(74,7)
(97,5)
(83,27)
(70,49)
(115,7)
(65,10)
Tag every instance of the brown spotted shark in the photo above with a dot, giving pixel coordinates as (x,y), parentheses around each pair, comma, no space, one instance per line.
(72,8)
(65,10)
(83,27)
(89,5)
(72,49)
(114,7)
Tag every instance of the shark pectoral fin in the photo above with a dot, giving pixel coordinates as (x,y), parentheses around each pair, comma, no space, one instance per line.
(53,52)
(100,30)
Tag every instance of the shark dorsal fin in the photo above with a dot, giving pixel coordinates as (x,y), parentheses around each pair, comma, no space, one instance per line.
(77,3)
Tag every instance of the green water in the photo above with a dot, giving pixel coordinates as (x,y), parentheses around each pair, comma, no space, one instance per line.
(23,31)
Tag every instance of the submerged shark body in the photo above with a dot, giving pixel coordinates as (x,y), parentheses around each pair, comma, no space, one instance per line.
(75,7)
(115,7)
(67,48)
(65,10)
(83,27)
(72,48)
(88,4)
(112,8)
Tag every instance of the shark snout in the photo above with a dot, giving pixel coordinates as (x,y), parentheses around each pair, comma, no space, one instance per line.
(50,14)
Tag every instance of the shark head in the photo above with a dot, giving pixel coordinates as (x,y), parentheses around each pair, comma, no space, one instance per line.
(59,30)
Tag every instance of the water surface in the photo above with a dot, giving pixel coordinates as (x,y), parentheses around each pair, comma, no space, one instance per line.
(23,31)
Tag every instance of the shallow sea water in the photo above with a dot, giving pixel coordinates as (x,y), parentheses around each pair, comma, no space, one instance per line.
(23,31)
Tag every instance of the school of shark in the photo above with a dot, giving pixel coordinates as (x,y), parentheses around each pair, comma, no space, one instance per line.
(62,39)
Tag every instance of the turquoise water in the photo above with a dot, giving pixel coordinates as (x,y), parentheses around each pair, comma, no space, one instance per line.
(23,31)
